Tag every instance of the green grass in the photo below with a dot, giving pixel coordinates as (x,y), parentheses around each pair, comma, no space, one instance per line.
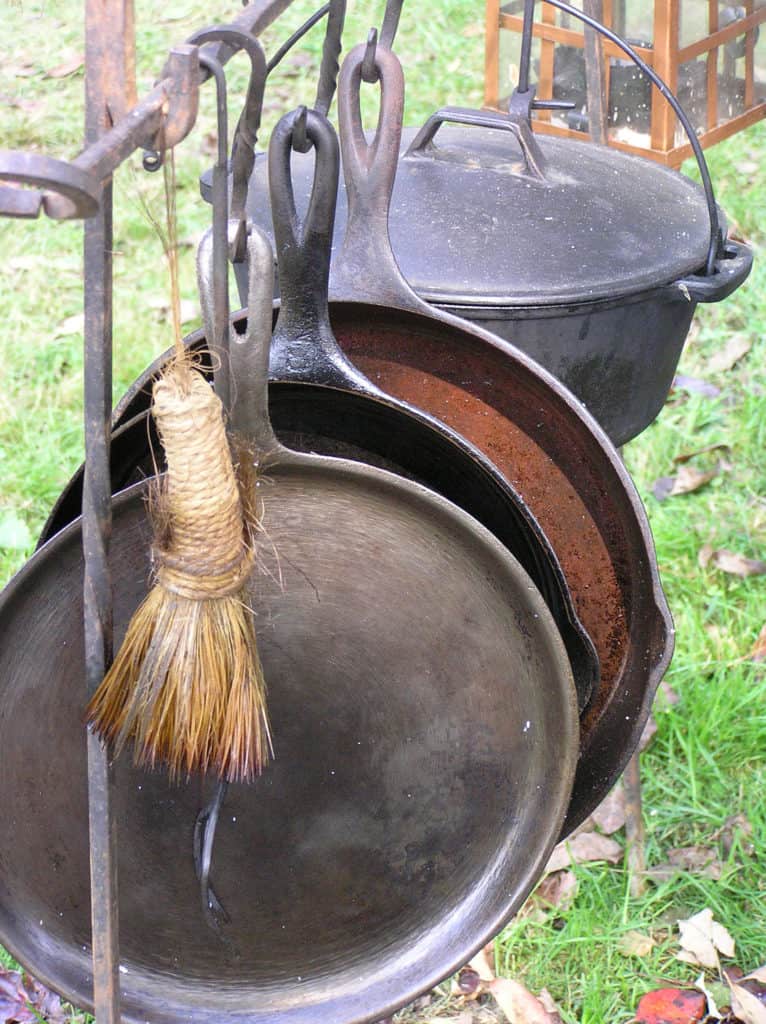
(707,761)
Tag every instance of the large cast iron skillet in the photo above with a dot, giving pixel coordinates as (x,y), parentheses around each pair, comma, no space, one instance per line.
(534,431)
(425,730)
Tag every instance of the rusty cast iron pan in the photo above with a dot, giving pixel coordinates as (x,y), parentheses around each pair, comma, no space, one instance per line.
(425,728)
(535,432)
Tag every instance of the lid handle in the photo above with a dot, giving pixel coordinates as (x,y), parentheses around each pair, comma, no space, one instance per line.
(534,159)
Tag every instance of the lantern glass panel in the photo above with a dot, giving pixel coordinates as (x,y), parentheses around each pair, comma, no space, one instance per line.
(692,95)
(634,21)
(693,23)
(760,67)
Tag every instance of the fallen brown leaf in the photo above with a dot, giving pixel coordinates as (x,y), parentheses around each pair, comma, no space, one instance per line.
(635,944)
(702,939)
(74,324)
(704,555)
(686,481)
(549,1003)
(697,860)
(584,848)
(747,1005)
(67,67)
(648,734)
(758,652)
(518,1004)
(666,695)
(556,891)
(24,69)
(737,565)
(735,348)
(609,816)
(686,456)
(695,386)
(471,31)
(736,826)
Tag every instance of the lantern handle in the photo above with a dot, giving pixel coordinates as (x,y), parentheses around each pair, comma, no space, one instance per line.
(716,243)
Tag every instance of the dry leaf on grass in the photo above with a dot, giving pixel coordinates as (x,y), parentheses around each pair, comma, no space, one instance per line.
(66,67)
(697,860)
(686,456)
(735,348)
(702,939)
(734,563)
(471,31)
(519,1005)
(26,1001)
(686,481)
(695,386)
(666,695)
(671,1006)
(74,324)
(648,734)
(748,996)
(635,944)
(736,827)
(556,891)
(712,1002)
(609,816)
(584,848)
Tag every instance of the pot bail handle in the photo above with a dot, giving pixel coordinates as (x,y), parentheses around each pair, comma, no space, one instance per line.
(535,163)
(365,269)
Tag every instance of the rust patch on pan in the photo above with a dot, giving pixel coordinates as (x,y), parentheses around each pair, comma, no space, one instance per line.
(482,397)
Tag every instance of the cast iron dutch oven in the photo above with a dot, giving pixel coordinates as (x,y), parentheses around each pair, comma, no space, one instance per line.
(590,260)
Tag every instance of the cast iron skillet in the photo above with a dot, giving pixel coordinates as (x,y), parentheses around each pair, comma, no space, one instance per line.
(535,432)
(325,404)
(425,728)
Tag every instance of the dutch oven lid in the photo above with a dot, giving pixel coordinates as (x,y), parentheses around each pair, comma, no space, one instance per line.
(472,223)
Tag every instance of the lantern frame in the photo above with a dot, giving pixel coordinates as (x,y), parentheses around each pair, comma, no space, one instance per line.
(665,55)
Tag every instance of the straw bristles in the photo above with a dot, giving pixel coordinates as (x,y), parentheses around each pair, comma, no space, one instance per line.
(186,687)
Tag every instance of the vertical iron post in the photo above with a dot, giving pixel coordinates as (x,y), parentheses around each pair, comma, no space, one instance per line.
(97,514)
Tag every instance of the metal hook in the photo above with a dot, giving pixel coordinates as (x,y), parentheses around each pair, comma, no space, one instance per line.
(301,142)
(369,68)
(152,160)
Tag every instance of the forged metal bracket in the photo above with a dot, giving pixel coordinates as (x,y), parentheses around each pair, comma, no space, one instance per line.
(67,190)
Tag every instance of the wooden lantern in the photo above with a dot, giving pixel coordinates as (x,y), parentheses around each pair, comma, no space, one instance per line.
(711,53)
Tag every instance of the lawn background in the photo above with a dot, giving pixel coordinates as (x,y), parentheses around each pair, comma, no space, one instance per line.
(706,762)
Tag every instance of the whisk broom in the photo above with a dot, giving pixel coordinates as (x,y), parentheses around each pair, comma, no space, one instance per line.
(186,687)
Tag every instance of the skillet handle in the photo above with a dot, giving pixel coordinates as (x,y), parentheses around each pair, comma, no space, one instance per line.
(249,353)
(304,347)
(365,269)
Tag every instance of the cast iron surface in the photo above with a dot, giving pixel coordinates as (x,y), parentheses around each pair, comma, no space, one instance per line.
(425,729)
(348,416)
(538,435)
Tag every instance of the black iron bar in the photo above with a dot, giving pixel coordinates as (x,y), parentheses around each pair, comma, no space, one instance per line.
(526,45)
(96,530)
(296,37)
(219,343)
